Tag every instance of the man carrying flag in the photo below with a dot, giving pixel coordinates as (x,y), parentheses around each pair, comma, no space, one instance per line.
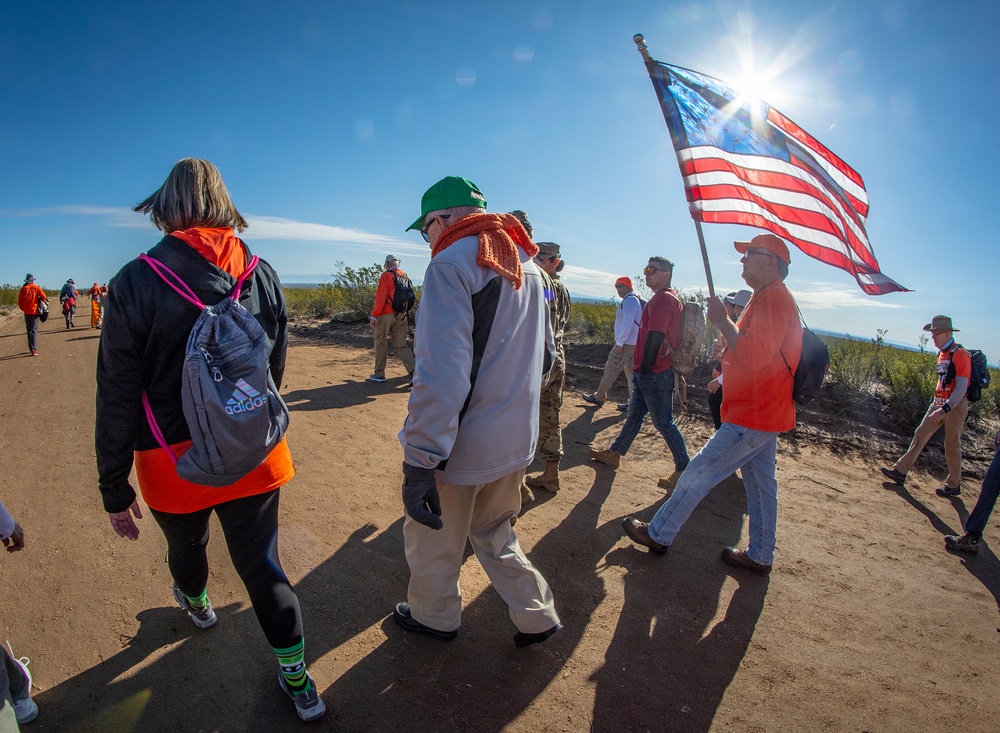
(761,354)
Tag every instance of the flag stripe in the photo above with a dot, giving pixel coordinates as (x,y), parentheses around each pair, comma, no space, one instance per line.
(787,184)
(846,177)
(747,163)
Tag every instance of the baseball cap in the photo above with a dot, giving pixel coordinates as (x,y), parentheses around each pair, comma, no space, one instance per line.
(548,249)
(739,298)
(391,258)
(624,281)
(450,191)
(774,245)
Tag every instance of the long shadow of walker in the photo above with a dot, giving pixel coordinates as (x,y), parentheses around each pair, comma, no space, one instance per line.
(671,661)
(984,566)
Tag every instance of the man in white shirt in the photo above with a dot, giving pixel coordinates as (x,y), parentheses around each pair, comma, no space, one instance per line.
(626,330)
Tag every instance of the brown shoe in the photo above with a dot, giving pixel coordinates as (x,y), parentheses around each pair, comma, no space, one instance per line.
(638,532)
(607,457)
(526,496)
(669,482)
(740,559)
(547,481)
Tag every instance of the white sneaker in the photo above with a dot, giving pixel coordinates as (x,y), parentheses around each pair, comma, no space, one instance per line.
(203,618)
(308,704)
(25,709)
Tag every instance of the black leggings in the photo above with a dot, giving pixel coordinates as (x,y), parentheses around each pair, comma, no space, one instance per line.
(250,526)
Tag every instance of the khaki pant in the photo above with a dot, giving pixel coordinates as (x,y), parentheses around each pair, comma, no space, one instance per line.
(482,515)
(392,326)
(954,422)
(616,364)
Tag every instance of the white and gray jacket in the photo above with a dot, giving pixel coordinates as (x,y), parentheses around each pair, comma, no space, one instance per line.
(481,349)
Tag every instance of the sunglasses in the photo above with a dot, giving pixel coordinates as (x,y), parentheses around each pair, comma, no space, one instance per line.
(423,231)
(649,270)
(758,252)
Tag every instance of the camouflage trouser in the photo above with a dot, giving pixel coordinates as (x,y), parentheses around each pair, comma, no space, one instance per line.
(549,433)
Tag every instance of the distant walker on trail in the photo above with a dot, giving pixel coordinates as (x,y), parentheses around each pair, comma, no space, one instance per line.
(949,408)
(622,354)
(31,299)
(389,320)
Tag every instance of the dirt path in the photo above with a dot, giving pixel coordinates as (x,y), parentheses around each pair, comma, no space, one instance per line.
(866,623)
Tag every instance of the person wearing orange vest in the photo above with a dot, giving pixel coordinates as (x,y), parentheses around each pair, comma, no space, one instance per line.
(29,298)
(762,351)
(948,408)
(387,325)
(95,306)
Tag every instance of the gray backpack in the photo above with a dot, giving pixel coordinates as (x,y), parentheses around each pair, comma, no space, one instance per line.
(231,405)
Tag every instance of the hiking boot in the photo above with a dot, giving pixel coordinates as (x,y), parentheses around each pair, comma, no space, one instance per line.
(893,475)
(669,482)
(740,559)
(592,399)
(308,704)
(203,618)
(962,543)
(638,532)
(948,492)
(376,378)
(25,709)
(607,457)
(526,496)
(547,481)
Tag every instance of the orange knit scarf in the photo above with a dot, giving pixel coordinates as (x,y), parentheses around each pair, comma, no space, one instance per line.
(499,237)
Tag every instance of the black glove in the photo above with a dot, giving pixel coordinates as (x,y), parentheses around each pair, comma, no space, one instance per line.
(420,496)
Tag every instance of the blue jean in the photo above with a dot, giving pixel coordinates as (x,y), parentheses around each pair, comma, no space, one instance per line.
(655,395)
(986,501)
(31,326)
(732,447)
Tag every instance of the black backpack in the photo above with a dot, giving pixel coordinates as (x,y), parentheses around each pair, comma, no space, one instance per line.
(811,371)
(404,298)
(980,377)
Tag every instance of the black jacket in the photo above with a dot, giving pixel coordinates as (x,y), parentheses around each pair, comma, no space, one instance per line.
(142,347)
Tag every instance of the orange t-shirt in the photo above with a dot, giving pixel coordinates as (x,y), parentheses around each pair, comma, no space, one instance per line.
(758,382)
(162,489)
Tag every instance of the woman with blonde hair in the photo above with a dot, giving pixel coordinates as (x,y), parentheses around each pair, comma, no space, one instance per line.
(141,353)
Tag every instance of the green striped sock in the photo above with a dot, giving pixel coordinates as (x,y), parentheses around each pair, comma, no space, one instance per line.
(198,601)
(293,666)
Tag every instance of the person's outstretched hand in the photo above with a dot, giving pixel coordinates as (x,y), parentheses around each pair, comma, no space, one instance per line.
(123,524)
(16,540)
(420,496)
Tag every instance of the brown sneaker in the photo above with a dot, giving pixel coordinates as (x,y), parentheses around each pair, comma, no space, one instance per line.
(740,559)
(638,532)
(607,457)
(669,482)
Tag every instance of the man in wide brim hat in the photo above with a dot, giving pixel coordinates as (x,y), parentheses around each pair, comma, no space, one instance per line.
(949,408)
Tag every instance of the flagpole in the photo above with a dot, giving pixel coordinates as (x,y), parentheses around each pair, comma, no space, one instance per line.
(640,42)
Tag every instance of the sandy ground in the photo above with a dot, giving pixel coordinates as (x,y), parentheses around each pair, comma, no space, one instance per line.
(866,623)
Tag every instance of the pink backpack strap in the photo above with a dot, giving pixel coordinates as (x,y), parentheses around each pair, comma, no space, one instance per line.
(174,281)
(245,274)
(155,427)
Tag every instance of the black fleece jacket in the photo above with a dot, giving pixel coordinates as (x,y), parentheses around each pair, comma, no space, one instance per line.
(145,333)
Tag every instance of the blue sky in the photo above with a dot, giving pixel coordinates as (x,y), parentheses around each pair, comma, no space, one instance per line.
(328,121)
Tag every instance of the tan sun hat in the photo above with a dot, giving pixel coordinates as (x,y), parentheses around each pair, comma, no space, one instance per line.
(940,323)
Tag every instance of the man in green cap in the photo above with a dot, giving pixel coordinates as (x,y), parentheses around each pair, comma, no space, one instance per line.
(483,344)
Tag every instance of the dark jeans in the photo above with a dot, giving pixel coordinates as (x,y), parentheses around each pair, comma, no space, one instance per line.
(986,501)
(250,526)
(655,395)
(31,326)
(715,406)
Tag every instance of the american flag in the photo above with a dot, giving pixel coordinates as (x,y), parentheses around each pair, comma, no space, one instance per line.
(743,162)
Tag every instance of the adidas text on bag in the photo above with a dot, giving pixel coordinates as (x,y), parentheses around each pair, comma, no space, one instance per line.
(231,405)
(403,297)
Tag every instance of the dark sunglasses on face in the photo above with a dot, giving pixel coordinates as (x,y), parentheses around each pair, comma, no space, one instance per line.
(649,270)
(423,232)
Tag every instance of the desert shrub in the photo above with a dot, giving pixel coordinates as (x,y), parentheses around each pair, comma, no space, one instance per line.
(321,302)
(911,379)
(592,323)
(8,294)
(352,291)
